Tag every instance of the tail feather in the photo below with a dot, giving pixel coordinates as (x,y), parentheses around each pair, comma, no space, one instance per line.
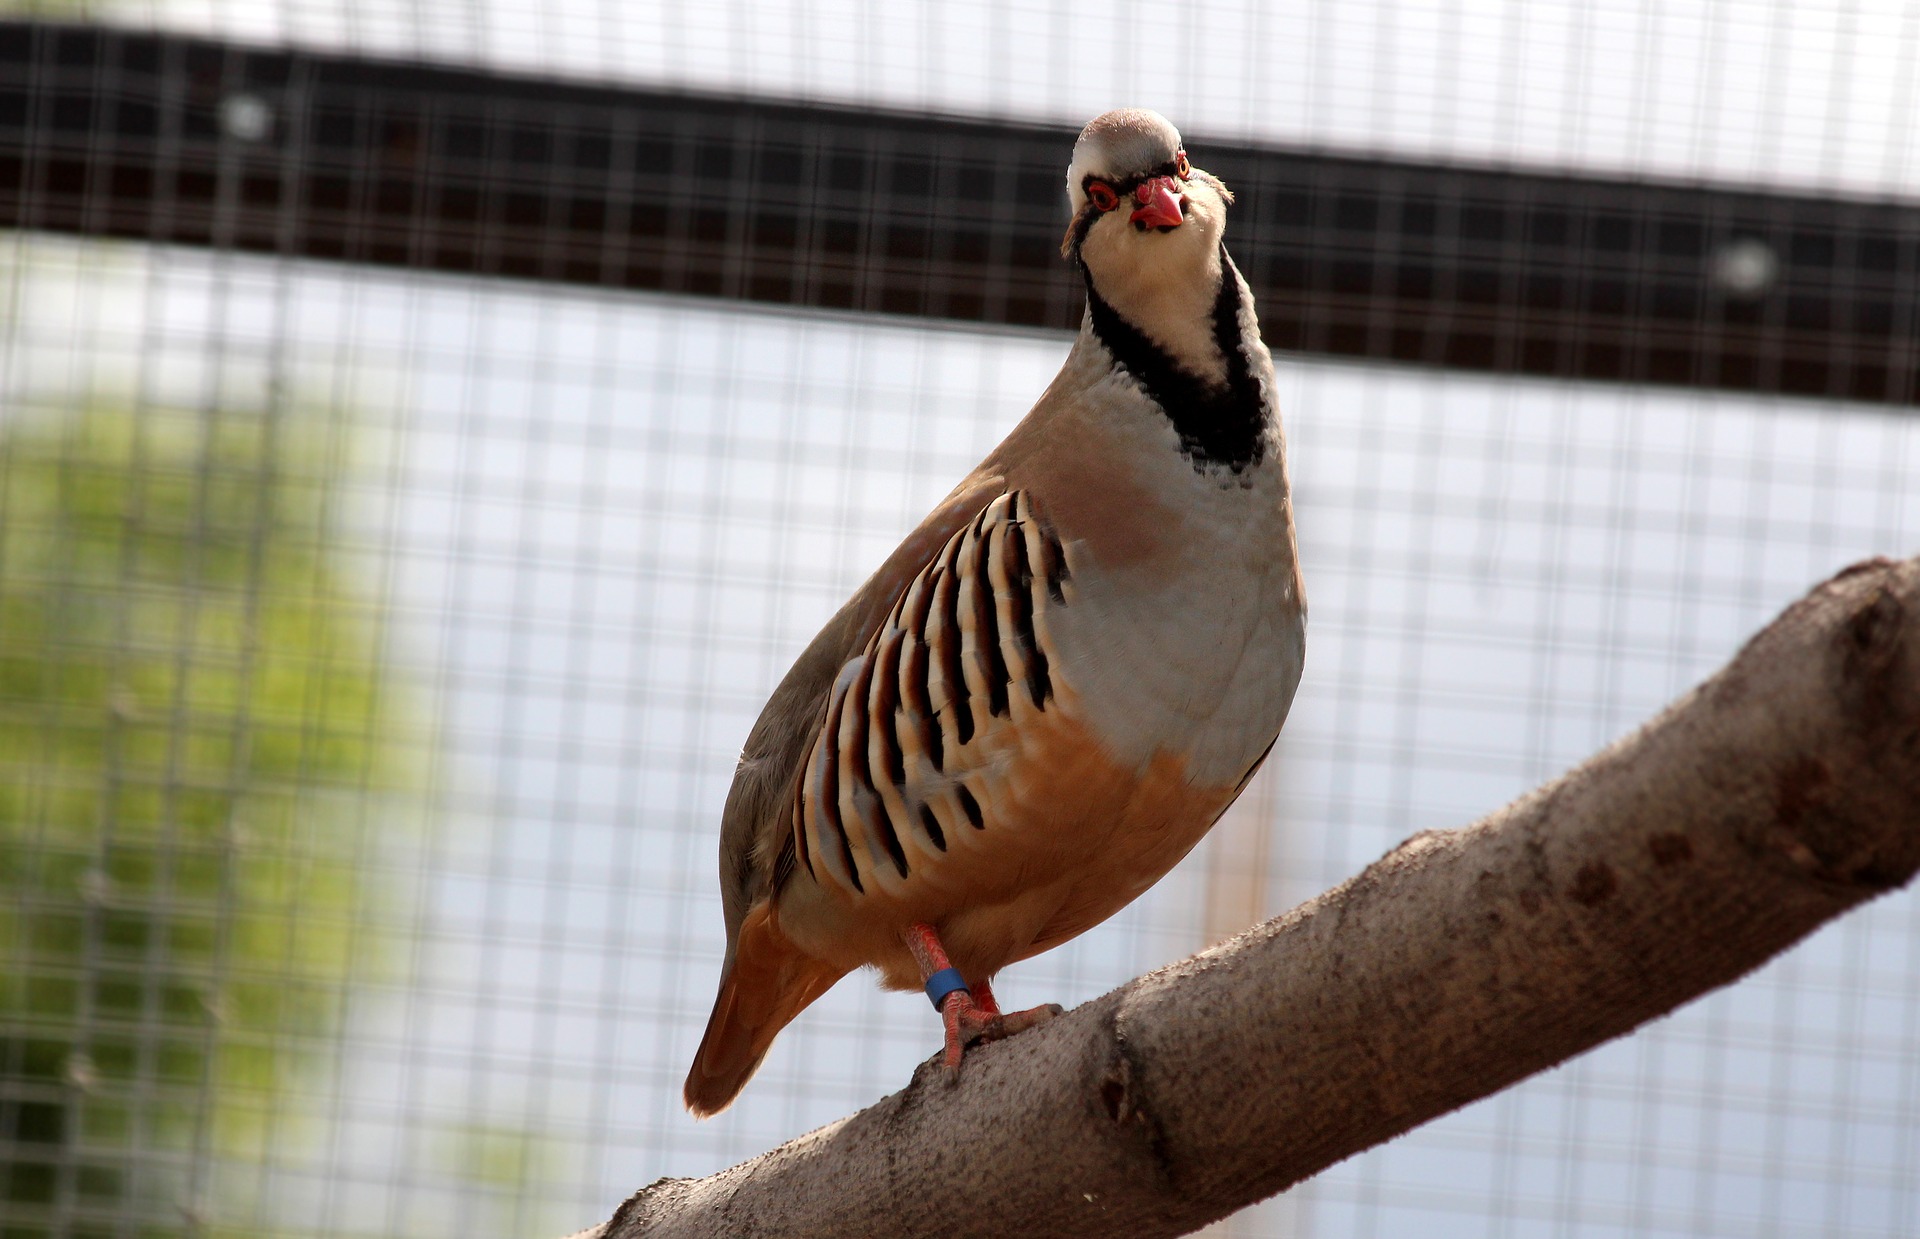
(767,983)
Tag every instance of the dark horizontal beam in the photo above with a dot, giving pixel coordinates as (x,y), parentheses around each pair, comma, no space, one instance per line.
(185,141)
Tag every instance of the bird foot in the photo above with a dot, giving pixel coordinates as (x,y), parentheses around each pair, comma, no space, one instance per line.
(970,1013)
(968,1023)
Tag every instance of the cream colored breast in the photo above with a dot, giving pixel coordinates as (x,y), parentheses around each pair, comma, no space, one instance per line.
(1198,648)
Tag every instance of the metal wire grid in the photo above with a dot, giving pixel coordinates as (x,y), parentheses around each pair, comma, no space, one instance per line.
(173,140)
(592,531)
(1773,91)
(588,587)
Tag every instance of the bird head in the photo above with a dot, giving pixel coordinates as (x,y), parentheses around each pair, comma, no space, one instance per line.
(1137,201)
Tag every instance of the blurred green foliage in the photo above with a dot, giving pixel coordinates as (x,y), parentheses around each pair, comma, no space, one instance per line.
(194,750)
(56,10)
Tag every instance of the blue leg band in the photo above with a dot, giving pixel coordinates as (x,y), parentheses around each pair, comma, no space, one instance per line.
(944,982)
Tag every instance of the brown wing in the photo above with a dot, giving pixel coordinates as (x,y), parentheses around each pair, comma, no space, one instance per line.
(951,684)
(753,827)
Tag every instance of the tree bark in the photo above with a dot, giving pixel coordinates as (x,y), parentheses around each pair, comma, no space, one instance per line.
(1783,791)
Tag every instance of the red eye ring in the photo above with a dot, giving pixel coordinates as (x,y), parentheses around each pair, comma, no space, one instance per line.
(1181,167)
(1102,195)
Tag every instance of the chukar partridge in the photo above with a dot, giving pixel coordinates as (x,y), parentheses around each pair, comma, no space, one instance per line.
(1053,688)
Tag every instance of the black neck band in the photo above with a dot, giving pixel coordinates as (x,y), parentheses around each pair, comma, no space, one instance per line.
(1218,423)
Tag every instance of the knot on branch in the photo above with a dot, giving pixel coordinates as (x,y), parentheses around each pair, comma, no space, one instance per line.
(1872,640)
(1124,1101)
(1594,884)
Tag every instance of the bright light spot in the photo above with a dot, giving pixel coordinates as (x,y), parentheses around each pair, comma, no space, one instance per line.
(246,117)
(1745,267)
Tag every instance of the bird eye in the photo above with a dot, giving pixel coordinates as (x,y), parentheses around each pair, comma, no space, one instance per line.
(1181,167)
(1101,195)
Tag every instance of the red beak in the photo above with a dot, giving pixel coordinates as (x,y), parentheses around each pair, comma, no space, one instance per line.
(1159,201)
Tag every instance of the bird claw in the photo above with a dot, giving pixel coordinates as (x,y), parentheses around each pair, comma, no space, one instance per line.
(968,1024)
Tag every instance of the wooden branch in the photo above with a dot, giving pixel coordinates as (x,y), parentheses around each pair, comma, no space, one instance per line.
(1775,796)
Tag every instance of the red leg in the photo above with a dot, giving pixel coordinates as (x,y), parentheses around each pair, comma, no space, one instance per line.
(968,1018)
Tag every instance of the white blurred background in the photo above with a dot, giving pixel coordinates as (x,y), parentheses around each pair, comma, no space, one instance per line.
(597,527)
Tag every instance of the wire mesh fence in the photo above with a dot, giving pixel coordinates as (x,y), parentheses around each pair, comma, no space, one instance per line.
(375,647)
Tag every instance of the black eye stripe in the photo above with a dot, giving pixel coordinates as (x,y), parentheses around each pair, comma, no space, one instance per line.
(1126,187)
